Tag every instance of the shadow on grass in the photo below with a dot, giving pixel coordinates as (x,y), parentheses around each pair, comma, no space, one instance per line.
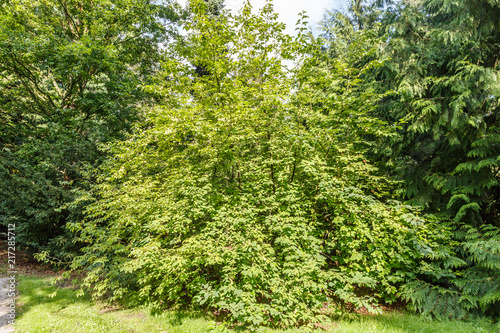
(180,317)
(34,290)
(177,318)
(39,300)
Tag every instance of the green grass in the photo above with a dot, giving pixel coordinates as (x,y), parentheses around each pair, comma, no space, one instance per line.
(65,312)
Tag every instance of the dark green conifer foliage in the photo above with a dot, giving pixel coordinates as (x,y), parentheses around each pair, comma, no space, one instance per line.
(444,73)
(441,92)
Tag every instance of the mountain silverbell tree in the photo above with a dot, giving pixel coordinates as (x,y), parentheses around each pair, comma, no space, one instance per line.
(70,77)
(248,193)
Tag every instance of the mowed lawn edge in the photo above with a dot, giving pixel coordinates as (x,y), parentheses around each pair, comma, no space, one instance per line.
(43,307)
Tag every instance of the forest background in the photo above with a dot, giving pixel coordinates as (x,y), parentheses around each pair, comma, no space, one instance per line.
(174,157)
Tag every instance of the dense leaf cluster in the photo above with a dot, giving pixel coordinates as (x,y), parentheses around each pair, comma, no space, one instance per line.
(250,193)
(70,76)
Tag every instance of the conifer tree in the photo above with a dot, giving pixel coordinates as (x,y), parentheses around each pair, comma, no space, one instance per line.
(444,73)
(441,91)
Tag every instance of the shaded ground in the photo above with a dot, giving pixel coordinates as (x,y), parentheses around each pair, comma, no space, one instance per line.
(23,265)
(43,307)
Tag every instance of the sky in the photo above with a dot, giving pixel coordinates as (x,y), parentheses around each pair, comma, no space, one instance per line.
(288,10)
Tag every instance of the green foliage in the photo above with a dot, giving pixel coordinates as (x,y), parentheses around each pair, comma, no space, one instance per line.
(359,15)
(249,193)
(445,73)
(449,287)
(69,78)
(440,91)
(208,173)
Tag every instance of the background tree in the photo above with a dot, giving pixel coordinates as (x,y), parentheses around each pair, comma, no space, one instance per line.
(445,70)
(444,75)
(70,76)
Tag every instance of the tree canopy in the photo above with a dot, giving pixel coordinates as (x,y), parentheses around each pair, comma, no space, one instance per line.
(70,78)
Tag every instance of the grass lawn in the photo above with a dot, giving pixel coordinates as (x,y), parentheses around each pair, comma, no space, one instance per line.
(67,313)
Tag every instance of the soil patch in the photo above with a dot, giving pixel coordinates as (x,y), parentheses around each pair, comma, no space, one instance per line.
(24,263)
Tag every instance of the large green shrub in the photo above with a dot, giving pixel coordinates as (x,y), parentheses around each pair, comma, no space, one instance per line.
(249,193)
